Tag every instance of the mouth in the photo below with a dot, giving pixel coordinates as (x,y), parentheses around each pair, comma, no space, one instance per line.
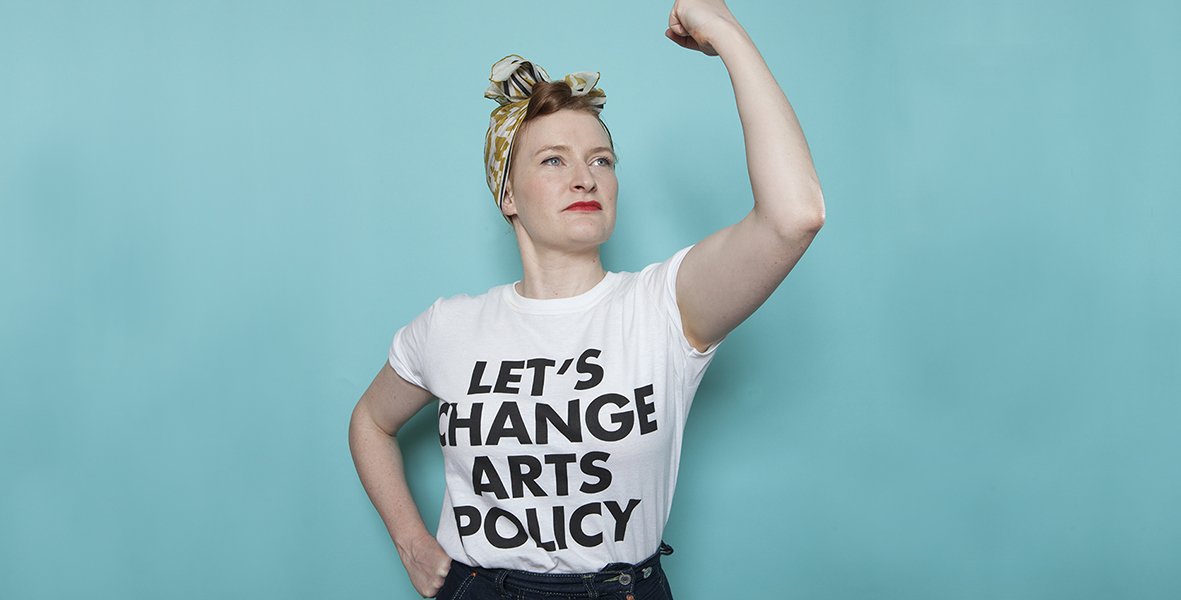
(592,205)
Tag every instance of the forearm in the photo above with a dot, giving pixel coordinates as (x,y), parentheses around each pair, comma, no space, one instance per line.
(783,179)
(378,459)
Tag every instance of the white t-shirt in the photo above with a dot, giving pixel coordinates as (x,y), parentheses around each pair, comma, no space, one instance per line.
(560,420)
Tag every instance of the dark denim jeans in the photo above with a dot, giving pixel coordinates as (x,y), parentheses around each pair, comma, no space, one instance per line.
(617,581)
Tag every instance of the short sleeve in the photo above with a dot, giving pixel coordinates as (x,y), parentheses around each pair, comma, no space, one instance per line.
(661,279)
(410,348)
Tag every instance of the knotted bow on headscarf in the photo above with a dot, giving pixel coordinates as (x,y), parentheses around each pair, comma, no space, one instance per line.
(512,84)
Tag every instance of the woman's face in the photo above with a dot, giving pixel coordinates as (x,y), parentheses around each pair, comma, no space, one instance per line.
(562,184)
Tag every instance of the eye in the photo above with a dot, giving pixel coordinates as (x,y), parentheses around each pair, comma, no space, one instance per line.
(603,161)
(552,161)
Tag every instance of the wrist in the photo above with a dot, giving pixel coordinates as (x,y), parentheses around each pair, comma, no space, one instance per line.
(405,542)
(724,32)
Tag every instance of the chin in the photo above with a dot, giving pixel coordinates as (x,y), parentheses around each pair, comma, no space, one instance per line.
(575,236)
(595,235)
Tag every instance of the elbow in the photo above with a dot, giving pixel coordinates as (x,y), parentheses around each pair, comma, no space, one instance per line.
(356,422)
(814,221)
(804,219)
(362,423)
(811,213)
(801,230)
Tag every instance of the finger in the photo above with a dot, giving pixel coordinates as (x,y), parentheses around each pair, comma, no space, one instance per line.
(668,33)
(682,41)
(679,39)
(434,587)
(675,25)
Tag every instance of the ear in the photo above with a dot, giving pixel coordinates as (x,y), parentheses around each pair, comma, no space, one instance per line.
(506,206)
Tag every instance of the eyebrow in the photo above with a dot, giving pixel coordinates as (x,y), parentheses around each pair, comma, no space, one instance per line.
(563,148)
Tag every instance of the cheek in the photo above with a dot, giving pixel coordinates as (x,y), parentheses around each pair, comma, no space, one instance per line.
(527,185)
(611,184)
(541,187)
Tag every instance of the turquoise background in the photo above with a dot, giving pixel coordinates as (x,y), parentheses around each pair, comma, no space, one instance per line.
(214,216)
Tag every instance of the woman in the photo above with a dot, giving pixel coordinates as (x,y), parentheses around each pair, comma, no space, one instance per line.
(563,396)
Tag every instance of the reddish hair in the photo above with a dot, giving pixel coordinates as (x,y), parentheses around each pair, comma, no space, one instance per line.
(548,97)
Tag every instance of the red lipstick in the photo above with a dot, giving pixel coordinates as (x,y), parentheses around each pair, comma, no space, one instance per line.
(591,205)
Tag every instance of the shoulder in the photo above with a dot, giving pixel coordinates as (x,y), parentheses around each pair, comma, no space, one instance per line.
(459,306)
(658,278)
(443,316)
(460,302)
(655,286)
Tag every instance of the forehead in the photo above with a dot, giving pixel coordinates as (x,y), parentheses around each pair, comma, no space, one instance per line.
(574,128)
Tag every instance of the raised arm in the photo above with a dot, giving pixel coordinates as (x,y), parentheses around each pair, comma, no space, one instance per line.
(730,273)
(389,402)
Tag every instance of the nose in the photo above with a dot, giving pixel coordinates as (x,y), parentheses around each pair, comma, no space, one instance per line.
(584,180)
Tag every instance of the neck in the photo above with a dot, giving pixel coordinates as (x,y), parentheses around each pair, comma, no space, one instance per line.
(558,273)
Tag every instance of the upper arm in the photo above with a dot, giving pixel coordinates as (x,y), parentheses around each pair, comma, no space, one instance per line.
(729,274)
(390,400)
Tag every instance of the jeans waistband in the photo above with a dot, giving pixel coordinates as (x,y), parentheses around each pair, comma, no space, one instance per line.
(615,577)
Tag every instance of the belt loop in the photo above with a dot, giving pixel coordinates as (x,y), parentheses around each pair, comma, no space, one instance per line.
(665,549)
(501,574)
(589,581)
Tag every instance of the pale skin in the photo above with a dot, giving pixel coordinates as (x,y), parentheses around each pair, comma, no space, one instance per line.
(565,158)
